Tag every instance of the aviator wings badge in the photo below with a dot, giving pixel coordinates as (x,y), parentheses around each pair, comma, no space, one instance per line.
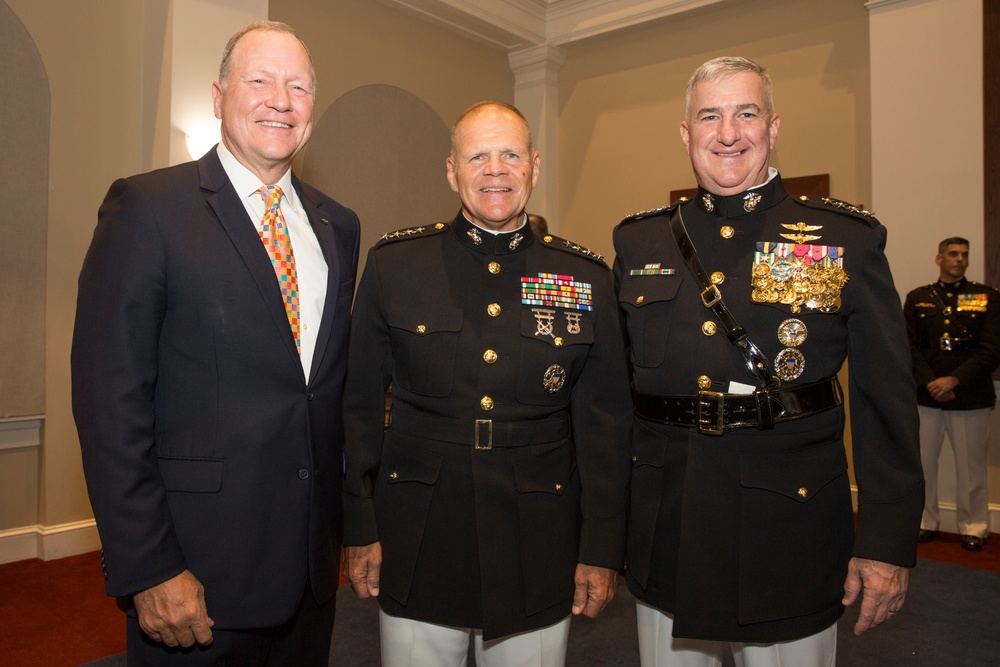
(801,228)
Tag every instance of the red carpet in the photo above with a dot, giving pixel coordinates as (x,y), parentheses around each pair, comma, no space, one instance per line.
(55,613)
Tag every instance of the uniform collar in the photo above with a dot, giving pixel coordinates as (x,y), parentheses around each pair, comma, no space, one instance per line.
(750,201)
(504,243)
(959,284)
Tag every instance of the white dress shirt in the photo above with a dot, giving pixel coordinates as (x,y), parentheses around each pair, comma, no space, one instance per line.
(310,265)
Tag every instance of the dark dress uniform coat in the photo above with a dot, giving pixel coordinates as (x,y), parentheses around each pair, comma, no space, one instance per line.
(485,537)
(747,536)
(966,315)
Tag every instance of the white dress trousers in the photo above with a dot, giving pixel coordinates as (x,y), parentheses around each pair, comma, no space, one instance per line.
(968,432)
(659,648)
(410,643)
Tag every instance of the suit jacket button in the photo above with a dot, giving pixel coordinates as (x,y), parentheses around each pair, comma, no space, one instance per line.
(303,473)
(311,395)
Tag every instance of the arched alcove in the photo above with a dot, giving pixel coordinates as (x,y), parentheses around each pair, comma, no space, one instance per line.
(24,177)
(381,151)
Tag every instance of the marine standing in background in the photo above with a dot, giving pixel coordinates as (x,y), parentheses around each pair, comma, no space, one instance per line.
(954,330)
(494,504)
(741,532)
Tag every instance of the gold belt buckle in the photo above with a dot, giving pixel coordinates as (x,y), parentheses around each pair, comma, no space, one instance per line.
(708,412)
(488,444)
(713,294)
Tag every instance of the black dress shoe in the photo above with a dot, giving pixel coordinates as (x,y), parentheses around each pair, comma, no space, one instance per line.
(972,543)
(928,535)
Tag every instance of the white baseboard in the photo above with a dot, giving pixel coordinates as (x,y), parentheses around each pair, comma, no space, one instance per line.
(49,542)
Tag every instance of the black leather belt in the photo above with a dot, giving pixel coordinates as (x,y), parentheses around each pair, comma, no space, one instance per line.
(713,412)
(483,433)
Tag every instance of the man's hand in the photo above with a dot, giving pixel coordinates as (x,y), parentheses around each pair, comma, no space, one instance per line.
(595,586)
(362,566)
(943,388)
(174,612)
(884,587)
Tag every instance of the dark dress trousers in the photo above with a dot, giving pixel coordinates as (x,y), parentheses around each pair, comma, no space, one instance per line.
(505,461)
(954,329)
(204,445)
(746,536)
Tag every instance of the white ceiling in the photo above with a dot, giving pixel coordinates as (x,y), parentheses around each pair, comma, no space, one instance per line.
(518,24)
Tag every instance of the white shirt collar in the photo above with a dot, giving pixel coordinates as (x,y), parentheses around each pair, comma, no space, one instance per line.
(247,183)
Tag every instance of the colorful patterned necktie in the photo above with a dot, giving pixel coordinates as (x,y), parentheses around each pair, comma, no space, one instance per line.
(274,236)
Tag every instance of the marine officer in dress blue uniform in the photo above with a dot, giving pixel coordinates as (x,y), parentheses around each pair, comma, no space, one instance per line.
(954,330)
(493,505)
(741,305)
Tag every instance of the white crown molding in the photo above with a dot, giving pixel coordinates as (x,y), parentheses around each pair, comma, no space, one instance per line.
(571,20)
(520,24)
(878,4)
(507,24)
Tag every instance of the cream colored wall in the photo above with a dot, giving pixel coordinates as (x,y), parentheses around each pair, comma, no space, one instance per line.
(927,112)
(360,42)
(622,99)
(98,57)
(92,55)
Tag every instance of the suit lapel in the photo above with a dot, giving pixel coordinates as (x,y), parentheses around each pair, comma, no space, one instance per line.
(323,230)
(221,196)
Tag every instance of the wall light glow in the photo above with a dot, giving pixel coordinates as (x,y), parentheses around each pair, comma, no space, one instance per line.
(200,138)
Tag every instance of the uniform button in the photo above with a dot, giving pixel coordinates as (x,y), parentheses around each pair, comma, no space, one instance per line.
(558,341)
(303,473)
(704,382)
(803,197)
(803,492)
(947,321)
(393,475)
(489,356)
(486,403)
(558,487)
(718,278)
(439,225)
(709,328)
(639,299)
(421,329)
(494,267)
(727,232)
(493,309)
(634,459)
(547,238)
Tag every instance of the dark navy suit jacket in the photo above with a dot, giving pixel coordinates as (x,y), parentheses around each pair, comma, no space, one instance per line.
(204,445)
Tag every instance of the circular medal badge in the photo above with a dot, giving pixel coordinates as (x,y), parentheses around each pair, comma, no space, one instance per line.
(789,364)
(554,378)
(792,332)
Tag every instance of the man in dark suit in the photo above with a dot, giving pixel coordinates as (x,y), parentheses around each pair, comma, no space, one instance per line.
(207,381)
(493,506)
(741,533)
(954,330)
